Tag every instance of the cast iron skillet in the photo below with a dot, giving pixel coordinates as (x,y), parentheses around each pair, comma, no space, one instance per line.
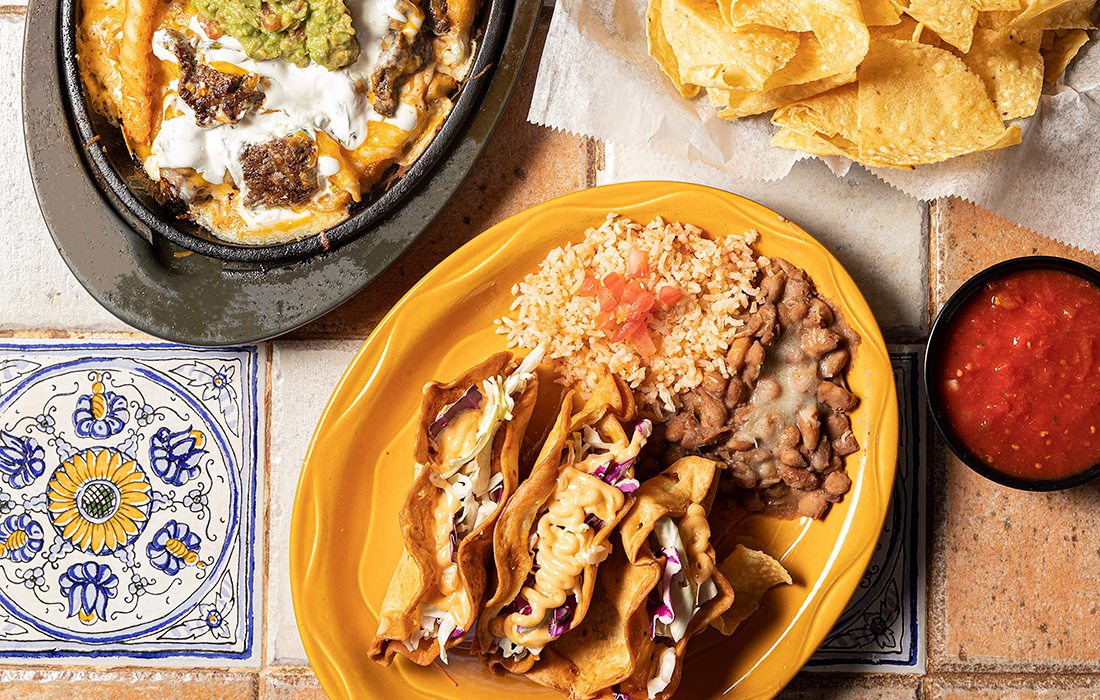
(115,169)
(154,285)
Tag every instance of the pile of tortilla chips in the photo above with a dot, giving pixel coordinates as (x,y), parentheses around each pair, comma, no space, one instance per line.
(887,83)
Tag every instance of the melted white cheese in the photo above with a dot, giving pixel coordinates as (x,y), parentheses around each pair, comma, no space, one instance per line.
(308,99)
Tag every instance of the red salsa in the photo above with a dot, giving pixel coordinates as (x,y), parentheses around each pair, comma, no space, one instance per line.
(1020,374)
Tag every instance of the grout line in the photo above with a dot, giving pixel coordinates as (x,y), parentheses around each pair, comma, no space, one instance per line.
(933,223)
(269,356)
(13,10)
(935,619)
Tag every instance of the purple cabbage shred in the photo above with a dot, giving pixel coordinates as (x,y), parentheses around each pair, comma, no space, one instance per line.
(469,401)
(561,617)
(519,605)
(662,610)
(593,522)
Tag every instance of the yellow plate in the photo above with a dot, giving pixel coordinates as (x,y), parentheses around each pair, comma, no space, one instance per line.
(345,539)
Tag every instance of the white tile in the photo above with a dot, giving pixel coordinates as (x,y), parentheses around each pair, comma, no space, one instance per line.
(874,230)
(36,289)
(303,376)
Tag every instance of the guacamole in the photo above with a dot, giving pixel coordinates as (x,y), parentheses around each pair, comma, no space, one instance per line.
(299,31)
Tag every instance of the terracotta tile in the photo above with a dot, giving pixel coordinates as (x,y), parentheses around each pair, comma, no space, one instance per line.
(1018,577)
(1018,687)
(291,683)
(1013,574)
(523,165)
(815,685)
(126,685)
(969,239)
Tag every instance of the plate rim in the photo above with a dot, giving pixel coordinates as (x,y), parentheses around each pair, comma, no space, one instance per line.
(881,449)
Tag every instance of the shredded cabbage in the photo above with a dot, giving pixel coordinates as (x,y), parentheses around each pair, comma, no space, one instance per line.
(468,481)
(680,600)
(665,668)
(617,462)
(561,617)
(497,404)
(436,623)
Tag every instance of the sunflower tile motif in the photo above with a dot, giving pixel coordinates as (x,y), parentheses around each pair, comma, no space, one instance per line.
(128,491)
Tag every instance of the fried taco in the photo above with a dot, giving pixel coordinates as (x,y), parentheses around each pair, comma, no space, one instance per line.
(467,454)
(553,532)
(658,591)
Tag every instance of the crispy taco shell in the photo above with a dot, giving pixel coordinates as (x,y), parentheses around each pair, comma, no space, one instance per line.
(612,651)
(419,574)
(611,400)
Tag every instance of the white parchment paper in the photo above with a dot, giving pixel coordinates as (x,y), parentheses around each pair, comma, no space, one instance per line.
(597,79)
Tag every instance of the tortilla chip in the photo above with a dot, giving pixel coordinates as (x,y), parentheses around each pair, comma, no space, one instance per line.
(952,20)
(919,104)
(908,29)
(1062,50)
(879,13)
(780,14)
(1012,73)
(998,5)
(661,52)
(996,19)
(1056,14)
(712,54)
(831,116)
(736,104)
(843,37)
(807,143)
(418,573)
(751,574)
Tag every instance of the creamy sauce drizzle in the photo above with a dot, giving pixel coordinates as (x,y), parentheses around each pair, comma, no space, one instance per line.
(565,546)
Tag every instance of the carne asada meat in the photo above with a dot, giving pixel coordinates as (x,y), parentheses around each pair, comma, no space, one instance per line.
(402,56)
(216,97)
(280,173)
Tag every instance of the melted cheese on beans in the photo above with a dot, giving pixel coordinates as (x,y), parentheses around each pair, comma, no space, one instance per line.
(565,545)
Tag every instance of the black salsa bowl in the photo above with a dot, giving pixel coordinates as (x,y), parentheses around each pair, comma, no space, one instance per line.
(937,345)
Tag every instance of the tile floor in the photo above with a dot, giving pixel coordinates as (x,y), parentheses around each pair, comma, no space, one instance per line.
(1011,583)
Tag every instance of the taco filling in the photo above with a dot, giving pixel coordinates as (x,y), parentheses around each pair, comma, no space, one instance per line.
(564,543)
(469,490)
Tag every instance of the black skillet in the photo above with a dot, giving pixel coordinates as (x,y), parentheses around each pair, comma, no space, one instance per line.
(127,253)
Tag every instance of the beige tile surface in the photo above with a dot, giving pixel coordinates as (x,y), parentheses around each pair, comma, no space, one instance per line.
(122,684)
(291,684)
(303,376)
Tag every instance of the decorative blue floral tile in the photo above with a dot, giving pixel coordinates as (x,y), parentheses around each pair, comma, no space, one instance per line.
(128,486)
(883,630)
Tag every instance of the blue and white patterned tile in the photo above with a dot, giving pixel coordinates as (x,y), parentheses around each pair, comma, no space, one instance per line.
(883,628)
(129,484)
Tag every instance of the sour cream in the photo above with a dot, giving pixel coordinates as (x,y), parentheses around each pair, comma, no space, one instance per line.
(297,99)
